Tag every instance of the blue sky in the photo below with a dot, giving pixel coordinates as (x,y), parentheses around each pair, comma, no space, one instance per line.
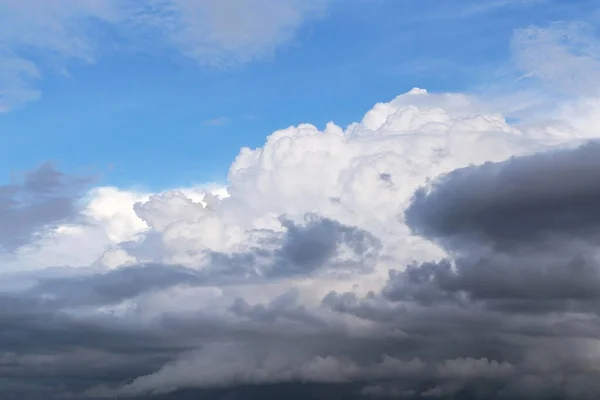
(140,111)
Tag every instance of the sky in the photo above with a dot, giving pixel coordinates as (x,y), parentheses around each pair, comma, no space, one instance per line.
(311,199)
(108,87)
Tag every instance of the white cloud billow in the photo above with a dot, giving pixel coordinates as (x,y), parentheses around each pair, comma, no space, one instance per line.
(311,212)
(362,176)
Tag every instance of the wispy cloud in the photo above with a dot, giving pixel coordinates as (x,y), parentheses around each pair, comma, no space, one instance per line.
(564,55)
(219,121)
(221,33)
(224,33)
(50,31)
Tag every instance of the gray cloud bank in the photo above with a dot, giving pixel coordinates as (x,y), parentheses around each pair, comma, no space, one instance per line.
(526,199)
(511,314)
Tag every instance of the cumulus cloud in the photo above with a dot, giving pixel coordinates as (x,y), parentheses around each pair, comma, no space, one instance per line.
(431,250)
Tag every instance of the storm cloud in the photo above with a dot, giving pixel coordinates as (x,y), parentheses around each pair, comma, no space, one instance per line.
(517,202)
(482,284)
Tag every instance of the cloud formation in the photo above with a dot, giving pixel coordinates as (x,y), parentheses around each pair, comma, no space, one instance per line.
(553,195)
(430,250)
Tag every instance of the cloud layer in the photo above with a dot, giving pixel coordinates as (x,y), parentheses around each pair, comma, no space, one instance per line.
(552,195)
(431,250)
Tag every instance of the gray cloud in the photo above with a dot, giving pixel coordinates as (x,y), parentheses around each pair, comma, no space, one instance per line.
(53,332)
(518,201)
(305,248)
(510,314)
(104,288)
(521,288)
(38,202)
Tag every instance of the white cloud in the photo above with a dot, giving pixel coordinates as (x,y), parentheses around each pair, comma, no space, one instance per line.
(54,31)
(226,32)
(218,121)
(17,77)
(215,367)
(564,55)
(253,279)
(362,176)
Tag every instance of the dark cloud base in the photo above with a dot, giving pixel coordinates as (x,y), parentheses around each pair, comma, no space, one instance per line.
(295,391)
(512,314)
(519,202)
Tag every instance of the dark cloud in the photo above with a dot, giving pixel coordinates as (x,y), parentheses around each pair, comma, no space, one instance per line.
(523,233)
(111,287)
(52,330)
(316,245)
(517,284)
(37,202)
(516,202)
(510,314)
(522,286)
